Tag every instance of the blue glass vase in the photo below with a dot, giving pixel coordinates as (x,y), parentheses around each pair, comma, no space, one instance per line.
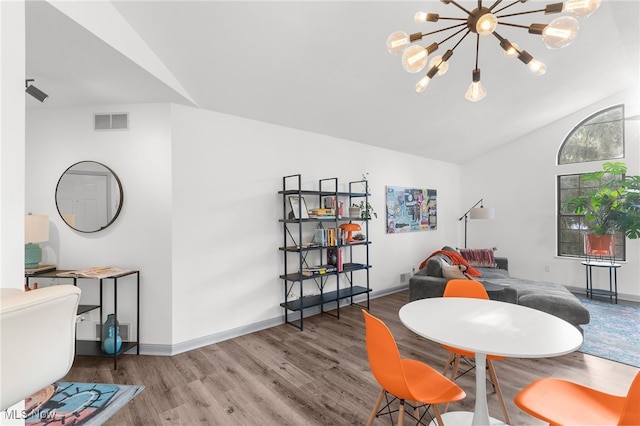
(110,322)
(113,342)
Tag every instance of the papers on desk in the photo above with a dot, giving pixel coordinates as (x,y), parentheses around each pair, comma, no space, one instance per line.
(98,272)
(39,269)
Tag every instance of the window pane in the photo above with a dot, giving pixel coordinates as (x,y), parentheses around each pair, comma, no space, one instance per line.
(571,227)
(599,137)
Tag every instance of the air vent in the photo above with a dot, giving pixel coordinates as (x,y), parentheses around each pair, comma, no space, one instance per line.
(118,121)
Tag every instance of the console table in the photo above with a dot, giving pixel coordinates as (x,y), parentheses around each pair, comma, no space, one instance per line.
(93,347)
(613,279)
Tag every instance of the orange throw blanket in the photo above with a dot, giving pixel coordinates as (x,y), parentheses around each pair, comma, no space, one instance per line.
(456,259)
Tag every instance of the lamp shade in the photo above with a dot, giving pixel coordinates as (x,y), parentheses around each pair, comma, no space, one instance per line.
(350,227)
(36,228)
(482,213)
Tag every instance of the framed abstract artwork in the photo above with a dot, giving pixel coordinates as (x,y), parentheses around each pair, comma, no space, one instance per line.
(411,209)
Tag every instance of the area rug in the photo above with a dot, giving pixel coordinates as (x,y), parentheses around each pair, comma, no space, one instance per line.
(613,332)
(88,404)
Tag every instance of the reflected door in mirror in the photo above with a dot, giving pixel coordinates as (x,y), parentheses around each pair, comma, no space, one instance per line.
(88,196)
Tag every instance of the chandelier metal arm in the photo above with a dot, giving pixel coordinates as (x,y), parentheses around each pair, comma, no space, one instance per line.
(526,27)
(455,34)
(520,13)
(459,41)
(445,29)
(495,4)
(451,19)
(548,9)
(477,48)
(459,7)
(505,7)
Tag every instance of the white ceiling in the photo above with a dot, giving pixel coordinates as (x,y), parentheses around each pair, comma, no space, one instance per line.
(322,67)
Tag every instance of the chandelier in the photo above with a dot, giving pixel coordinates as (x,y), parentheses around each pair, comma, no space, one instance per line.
(483,21)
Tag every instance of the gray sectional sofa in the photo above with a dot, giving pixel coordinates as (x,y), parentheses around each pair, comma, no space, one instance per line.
(552,298)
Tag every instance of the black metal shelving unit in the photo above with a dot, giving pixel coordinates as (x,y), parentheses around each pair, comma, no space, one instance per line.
(330,287)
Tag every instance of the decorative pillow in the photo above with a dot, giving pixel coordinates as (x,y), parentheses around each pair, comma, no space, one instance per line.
(453,271)
(479,258)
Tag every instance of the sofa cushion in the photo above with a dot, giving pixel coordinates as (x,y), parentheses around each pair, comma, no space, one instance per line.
(434,265)
(490,273)
(552,298)
(453,272)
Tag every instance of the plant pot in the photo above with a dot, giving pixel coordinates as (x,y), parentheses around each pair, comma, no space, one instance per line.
(354,211)
(599,245)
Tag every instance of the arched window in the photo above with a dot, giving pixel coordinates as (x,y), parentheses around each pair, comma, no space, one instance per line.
(599,137)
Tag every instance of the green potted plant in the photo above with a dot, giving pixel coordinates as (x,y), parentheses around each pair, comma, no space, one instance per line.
(366,209)
(612,206)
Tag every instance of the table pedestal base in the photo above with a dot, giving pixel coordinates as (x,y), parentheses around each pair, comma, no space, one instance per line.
(462,418)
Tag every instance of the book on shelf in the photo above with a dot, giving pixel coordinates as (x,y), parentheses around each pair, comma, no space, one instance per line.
(311,271)
(320,237)
(310,244)
(336,207)
(97,272)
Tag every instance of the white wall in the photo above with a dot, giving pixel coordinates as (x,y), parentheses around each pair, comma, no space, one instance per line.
(226,174)
(141,237)
(12,154)
(201,210)
(519,180)
(12,143)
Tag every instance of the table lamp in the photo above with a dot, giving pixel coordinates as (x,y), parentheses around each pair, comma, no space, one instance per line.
(350,227)
(36,230)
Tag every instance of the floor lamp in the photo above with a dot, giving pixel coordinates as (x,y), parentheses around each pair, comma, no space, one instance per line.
(476,213)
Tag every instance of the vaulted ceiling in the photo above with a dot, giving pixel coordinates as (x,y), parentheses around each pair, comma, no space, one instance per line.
(323,67)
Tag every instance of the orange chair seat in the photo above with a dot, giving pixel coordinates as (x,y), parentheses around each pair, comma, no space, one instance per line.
(427,384)
(560,402)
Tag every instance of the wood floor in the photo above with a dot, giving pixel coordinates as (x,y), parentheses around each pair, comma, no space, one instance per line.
(281,376)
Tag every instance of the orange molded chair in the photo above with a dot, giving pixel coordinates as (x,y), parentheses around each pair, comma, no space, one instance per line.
(561,402)
(471,289)
(405,379)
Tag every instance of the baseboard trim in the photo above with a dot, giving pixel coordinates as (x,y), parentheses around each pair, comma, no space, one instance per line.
(178,348)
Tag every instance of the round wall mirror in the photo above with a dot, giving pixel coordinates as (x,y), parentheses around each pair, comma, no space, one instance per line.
(89,196)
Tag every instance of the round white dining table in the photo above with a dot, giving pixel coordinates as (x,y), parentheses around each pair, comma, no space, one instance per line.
(488,327)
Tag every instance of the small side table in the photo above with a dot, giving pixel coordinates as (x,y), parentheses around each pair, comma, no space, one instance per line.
(491,287)
(613,279)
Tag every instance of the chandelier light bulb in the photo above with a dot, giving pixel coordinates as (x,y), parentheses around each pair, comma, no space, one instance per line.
(414,58)
(441,64)
(582,8)
(420,17)
(397,41)
(537,67)
(486,24)
(422,84)
(476,91)
(511,51)
(560,32)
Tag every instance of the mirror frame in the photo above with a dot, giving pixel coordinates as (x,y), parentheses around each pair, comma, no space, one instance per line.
(120,192)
